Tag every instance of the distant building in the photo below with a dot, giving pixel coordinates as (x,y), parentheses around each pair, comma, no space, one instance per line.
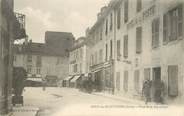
(77,59)
(59,42)
(47,61)
(12,27)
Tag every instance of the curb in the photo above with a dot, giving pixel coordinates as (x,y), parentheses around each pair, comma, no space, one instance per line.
(121,99)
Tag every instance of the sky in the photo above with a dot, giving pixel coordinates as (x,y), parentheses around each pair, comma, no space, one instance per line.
(58,15)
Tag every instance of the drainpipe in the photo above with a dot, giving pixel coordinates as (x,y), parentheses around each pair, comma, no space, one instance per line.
(114,60)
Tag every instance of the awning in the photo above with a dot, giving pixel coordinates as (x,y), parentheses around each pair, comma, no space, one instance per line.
(35,79)
(68,78)
(75,78)
(38,75)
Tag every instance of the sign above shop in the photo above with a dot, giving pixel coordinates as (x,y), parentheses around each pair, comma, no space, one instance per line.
(142,17)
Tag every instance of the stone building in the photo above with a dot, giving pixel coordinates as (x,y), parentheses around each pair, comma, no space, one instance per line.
(47,61)
(12,27)
(143,39)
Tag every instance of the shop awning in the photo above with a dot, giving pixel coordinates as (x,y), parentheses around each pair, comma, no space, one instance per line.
(68,78)
(35,79)
(75,78)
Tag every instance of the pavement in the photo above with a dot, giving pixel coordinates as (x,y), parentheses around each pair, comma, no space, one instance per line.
(121,98)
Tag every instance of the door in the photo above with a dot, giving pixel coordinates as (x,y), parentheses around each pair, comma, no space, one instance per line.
(156,84)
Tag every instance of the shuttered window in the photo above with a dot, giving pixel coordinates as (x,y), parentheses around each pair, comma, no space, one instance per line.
(173,24)
(165,29)
(106,50)
(147,73)
(155,33)
(106,27)
(101,55)
(125,81)
(138,40)
(111,22)
(111,49)
(173,80)
(136,80)
(118,49)
(118,81)
(125,46)
(139,5)
(126,11)
(119,18)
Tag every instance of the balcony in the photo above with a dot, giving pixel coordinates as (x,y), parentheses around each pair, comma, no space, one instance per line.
(19,26)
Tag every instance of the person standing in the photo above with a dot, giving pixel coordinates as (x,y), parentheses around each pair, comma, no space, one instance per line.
(146,91)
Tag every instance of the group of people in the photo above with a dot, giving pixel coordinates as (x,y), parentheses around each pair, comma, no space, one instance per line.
(153,91)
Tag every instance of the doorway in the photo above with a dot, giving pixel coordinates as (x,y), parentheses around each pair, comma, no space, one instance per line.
(156,84)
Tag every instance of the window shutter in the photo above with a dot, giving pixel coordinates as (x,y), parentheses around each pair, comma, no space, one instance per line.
(119,19)
(125,81)
(173,81)
(180,21)
(138,39)
(118,49)
(126,11)
(136,80)
(118,81)
(126,46)
(139,5)
(165,28)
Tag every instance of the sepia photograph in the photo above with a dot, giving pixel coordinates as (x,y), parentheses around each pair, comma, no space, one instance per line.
(91,57)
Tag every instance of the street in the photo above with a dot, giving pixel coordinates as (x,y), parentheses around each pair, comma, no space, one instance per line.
(71,102)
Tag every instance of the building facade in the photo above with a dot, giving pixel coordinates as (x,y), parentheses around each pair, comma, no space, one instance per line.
(78,59)
(144,40)
(12,27)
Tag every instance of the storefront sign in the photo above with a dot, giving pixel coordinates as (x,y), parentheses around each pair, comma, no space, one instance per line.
(144,16)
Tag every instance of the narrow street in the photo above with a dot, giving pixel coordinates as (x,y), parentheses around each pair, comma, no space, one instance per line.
(71,102)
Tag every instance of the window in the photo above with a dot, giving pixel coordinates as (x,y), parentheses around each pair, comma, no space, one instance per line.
(125,81)
(126,11)
(118,49)
(111,22)
(38,71)
(101,55)
(118,81)
(125,46)
(106,27)
(136,80)
(29,69)
(138,40)
(139,5)
(147,73)
(119,18)
(111,48)
(75,68)
(96,57)
(155,33)
(81,53)
(106,50)
(38,61)
(80,67)
(101,34)
(173,80)
(14,58)
(173,24)
(29,58)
